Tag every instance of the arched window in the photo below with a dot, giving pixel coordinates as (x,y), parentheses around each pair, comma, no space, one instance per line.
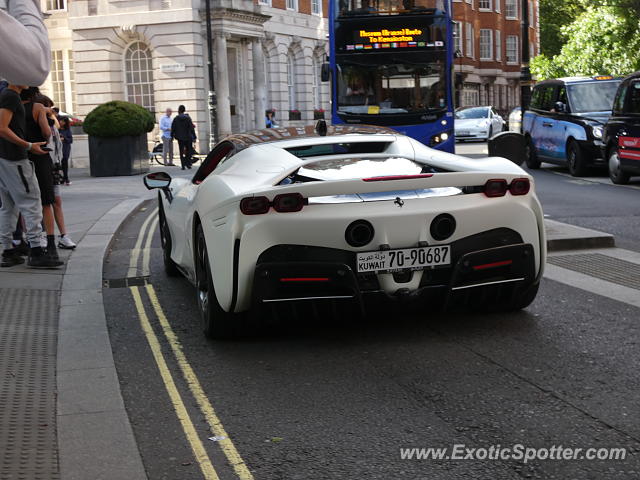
(139,75)
(291,81)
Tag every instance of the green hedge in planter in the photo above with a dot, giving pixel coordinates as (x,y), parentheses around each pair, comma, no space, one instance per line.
(118,119)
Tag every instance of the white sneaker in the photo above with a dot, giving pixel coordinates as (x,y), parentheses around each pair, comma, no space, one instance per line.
(66,243)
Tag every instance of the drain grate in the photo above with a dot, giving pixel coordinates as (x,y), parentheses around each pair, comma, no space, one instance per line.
(601,266)
(125,282)
(28,338)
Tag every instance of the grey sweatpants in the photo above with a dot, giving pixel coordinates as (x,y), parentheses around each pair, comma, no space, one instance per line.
(19,193)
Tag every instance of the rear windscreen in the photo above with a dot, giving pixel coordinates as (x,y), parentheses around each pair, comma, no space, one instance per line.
(305,151)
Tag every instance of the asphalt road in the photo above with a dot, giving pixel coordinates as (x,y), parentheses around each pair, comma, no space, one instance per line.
(321,399)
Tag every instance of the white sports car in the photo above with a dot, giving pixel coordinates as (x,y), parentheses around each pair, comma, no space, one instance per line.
(289,217)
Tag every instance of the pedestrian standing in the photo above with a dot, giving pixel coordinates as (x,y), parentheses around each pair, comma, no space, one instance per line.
(167,139)
(67,139)
(183,130)
(19,191)
(56,146)
(38,130)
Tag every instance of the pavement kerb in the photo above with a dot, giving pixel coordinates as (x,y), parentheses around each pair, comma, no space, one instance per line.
(95,438)
(563,236)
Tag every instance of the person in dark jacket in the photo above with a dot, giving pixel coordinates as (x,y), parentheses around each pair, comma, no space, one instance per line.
(183,131)
(67,140)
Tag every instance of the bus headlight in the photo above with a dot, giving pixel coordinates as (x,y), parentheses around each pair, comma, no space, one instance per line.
(597,132)
(439,138)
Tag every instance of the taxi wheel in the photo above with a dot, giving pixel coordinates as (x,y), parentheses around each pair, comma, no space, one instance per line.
(576,160)
(531,158)
(616,174)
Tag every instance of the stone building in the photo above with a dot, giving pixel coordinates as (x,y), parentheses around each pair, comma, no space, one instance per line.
(488,39)
(267,55)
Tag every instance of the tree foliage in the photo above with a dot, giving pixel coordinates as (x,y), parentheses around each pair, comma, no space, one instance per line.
(554,15)
(603,39)
(118,119)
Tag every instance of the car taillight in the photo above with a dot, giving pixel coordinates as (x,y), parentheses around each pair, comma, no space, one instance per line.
(288,202)
(496,188)
(519,186)
(255,205)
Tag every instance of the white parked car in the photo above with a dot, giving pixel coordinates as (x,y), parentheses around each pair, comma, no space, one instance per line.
(285,216)
(477,123)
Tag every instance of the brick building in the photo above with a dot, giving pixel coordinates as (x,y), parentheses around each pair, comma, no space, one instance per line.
(488,41)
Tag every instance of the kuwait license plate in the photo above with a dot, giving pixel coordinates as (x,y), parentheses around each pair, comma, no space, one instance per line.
(406,259)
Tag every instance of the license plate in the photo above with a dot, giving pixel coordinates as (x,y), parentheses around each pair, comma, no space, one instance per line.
(463,132)
(405,259)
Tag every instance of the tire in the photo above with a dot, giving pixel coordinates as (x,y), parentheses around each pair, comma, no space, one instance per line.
(170,267)
(216,323)
(531,159)
(519,303)
(576,160)
(616,174)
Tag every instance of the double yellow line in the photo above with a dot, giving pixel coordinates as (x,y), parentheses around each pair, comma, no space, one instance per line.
(189,376)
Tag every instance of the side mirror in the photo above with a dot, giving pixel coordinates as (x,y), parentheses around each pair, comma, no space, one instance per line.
(560,107)
(325,72)
(157,180)
(510,145)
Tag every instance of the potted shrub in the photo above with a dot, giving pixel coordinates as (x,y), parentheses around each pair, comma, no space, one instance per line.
(118,139)
(295,115)
(318,114)
(76,126)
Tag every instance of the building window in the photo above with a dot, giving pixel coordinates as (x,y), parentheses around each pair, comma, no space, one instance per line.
(316,7)
(484,4)
(498,5)
(139,75)
(470,94)
(498,45)
(63,80)
(291,81)
(511,9)
(457,37)
(56,5)
(512,49)
(292,5)
(531,19)
(469,41)
(486,44)
(264,2)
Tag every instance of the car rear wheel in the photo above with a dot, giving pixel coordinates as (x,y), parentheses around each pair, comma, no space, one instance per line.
(216,323)
(616,174)
(170,267)
(531,157)
(576,160)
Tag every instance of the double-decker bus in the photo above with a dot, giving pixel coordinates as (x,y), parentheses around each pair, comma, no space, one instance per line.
(390,64)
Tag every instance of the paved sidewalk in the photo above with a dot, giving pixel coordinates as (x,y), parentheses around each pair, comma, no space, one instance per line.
(61,411)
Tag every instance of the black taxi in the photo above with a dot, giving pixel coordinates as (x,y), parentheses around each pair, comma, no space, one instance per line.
(621,136)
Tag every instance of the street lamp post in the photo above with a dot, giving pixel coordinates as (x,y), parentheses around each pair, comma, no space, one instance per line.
(525,73)
(213,100)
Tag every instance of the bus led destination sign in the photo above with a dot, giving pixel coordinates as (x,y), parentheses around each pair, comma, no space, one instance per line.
(386,36)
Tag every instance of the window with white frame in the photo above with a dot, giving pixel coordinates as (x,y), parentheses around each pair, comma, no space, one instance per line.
(469,40)
(56,5)
(498,5)
(498,45)
(291,81)
(457,36)
(63,80)
(292,5)
(316,7)
(138,67)
(486,44)
(470,94)
(511,9)
(512,49)
(484,4)
(264,2)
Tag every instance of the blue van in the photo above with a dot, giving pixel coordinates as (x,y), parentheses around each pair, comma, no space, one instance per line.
(564,123)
